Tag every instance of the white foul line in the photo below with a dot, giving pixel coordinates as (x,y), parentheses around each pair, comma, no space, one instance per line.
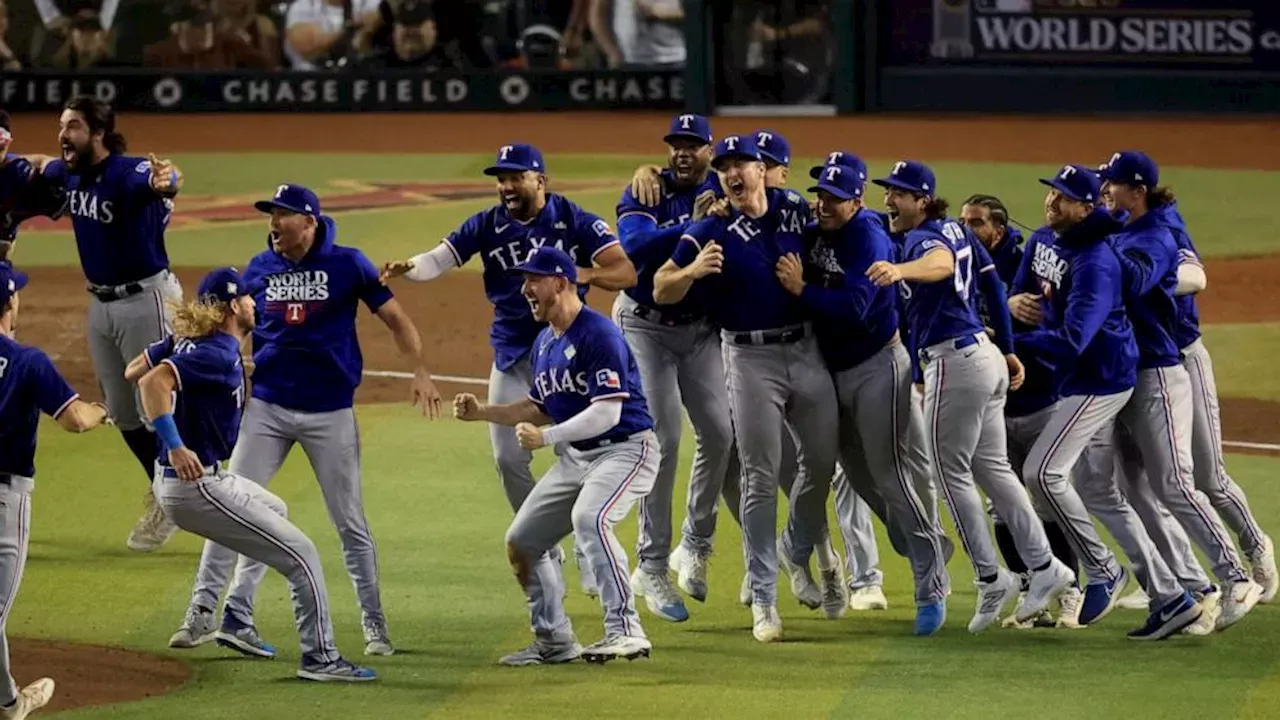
(484,381)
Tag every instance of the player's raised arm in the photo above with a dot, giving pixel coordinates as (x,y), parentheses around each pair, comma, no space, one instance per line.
(611,268)
(690,263)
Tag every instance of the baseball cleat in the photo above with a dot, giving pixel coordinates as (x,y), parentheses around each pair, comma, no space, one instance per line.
(929,618)
(337,671)
(1169,619)
(30,698)
(992,597)
(1071,602)
(198,628)
(376,639)
(543,652)
(1045,586)
(1136,600)
(834,601)
(1044,619)
(1100,598)
(153,529)
(618,646)
(585,575)
(1262,566)
(659,595)
(869,597)
(802,583)
(244,639)
(1237,600)
(1210,600)
(766,624)
(744,592)
(691,572)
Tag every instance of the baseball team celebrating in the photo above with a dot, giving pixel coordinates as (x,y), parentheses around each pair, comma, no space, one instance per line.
(817,346)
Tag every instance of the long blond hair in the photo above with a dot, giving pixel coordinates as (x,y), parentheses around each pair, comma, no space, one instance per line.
(198,318)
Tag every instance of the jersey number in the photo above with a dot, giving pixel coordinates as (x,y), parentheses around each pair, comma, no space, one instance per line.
(964,260)
(4,365)
(295,313)
(238,394)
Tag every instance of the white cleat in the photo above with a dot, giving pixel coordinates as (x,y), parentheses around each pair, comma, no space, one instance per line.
(1211,605)
(1262,566)
(766,625)
(659,595)
(868,597)
(1069,610)
(617,647)
(1136,600)
(30,698)
(1237,600)
(803,585)
(153,529)
(377,641)
(834,601)
(1045,587)
(691,572)
(198,627)
(744,592)
(992,598)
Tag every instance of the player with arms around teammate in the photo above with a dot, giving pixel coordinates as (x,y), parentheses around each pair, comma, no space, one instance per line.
(774,369)
(678,353)
(1160,416)
(29,385)
(586,399)
(526,217)
(1086,340)
(192,386)
(857,328)
(966,380)
(307,364)
(119,207)
(24,192)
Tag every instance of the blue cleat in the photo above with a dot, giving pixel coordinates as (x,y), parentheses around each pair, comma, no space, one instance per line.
(659,595)
(1171,618)
(929,618)
(244,639)
(1101,598)
(337,671)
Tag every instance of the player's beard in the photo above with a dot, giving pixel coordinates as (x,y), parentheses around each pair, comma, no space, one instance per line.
(81,160)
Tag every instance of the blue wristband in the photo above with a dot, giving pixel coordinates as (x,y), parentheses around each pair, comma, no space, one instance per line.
(173,177)
(167,430)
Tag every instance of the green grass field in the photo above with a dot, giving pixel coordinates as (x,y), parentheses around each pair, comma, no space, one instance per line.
(439,515)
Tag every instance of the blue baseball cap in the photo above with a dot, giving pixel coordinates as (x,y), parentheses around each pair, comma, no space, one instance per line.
(1132,167)
(841,181)
(773,146)
(1078,182)
(912,176)
(222,284)
(731,146)
(11,281)
(294,198)
(843,158)
(517,158)
(689,127)
(550,261)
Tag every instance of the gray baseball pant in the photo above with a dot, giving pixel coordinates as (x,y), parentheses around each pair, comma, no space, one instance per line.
(15,539)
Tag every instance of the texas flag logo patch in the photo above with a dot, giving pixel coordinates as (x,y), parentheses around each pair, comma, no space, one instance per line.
(608,379)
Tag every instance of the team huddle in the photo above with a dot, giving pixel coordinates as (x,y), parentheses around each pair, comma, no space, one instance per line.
(817,346)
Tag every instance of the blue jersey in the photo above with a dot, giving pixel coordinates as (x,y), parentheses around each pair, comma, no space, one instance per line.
(1085,339)
(942,310)
(1007,255)
(210,392)
(1187,329)
(305,352)
(1149,255)
(119,220)
(15,176)
(589,362)
(1039,388)
(503,243)
(650,235)
(746,295)
(853,318)
(29,385)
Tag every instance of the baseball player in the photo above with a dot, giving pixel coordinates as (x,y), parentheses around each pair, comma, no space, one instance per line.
(29,385)
(966,381)
(773,367)
(1087,342)
(192,386)
(856,324)
(586,400)
(24,192)
(678,353)
(120,206)
(526,218)
(1160,414)
(307,365)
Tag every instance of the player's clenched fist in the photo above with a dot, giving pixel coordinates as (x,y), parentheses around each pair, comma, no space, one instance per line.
(709,261)
(529,435)
(466,407)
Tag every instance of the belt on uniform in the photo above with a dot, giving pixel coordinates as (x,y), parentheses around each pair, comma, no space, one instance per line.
(769,337)
(169,472)
(597,443)
(959,343)
(665,317)
(109,293)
